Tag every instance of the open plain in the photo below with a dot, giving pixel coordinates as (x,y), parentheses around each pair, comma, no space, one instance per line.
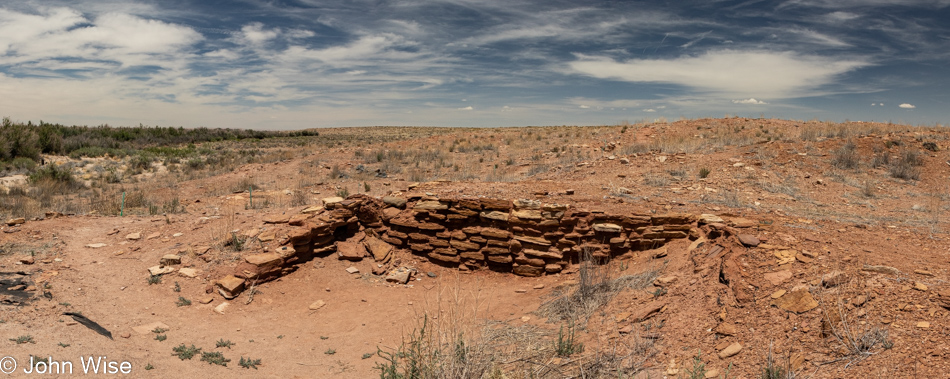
(700,248)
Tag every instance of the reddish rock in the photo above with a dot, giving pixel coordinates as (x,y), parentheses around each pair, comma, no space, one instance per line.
(526,270)
(350,250)
(749,240)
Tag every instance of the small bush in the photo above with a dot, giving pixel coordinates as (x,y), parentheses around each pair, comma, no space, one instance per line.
(223,343)
(931,146)
(704,173)
(182,302)
(249,363)
(846,157)
(23,339)
(906,166)
(215,358)
(53,173)
(183,352)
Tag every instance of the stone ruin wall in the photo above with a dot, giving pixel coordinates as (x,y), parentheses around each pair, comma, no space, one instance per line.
(524,237)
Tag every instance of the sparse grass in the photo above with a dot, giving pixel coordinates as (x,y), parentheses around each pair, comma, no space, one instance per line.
(148,366)
(595,289)
(330,352)
(772,370)
(160,337)
(154,279)
(566,345)
(857,344)
(224,343)
(697,368)
(23,339)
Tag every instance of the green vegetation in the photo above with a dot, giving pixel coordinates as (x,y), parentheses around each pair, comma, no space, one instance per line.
(183,352)
(215,358)
(223,343)
(23,339)
(249,363)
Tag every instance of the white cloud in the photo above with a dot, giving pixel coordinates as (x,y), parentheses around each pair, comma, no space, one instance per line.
(907,106)
(727,72)
(750,100)
(649,110)
(585,106)
(468,108)
(255,33)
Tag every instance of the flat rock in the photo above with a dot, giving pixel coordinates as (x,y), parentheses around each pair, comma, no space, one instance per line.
(920,286)
(160,270)
(222,307)
(526,270)
(206,299)
(395,202)
(726,329)
(96,245)
(527,214)
(430,205)
(378,248)
(648,310)
(664,281)
(264,259)
(943,298)
(607,228)
(798,301)
(317,305)
(881,269)
(16,221)
(153,236)
(352,270)
(148,328)
(835,278)
(230,286)
(170,259)
(741,223)
(133,236)
(332,201)
(495,215)
(399,276)
(730,350)
(749,240)
(778,277)
(707,218)
(543,254)
(188,272)
(350,250)
(312,209)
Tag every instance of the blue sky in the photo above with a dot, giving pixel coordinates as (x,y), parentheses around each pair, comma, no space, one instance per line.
(292,64)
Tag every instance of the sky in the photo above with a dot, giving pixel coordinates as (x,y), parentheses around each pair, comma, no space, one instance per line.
(295,64)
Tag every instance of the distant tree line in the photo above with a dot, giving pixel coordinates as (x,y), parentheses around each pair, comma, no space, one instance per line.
(19,140)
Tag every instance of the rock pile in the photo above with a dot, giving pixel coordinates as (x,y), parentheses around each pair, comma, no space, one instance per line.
(525,237)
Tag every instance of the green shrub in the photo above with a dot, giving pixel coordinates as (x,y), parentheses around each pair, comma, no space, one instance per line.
(54,173)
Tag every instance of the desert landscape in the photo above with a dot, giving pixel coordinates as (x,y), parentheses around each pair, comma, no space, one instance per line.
(699,248)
